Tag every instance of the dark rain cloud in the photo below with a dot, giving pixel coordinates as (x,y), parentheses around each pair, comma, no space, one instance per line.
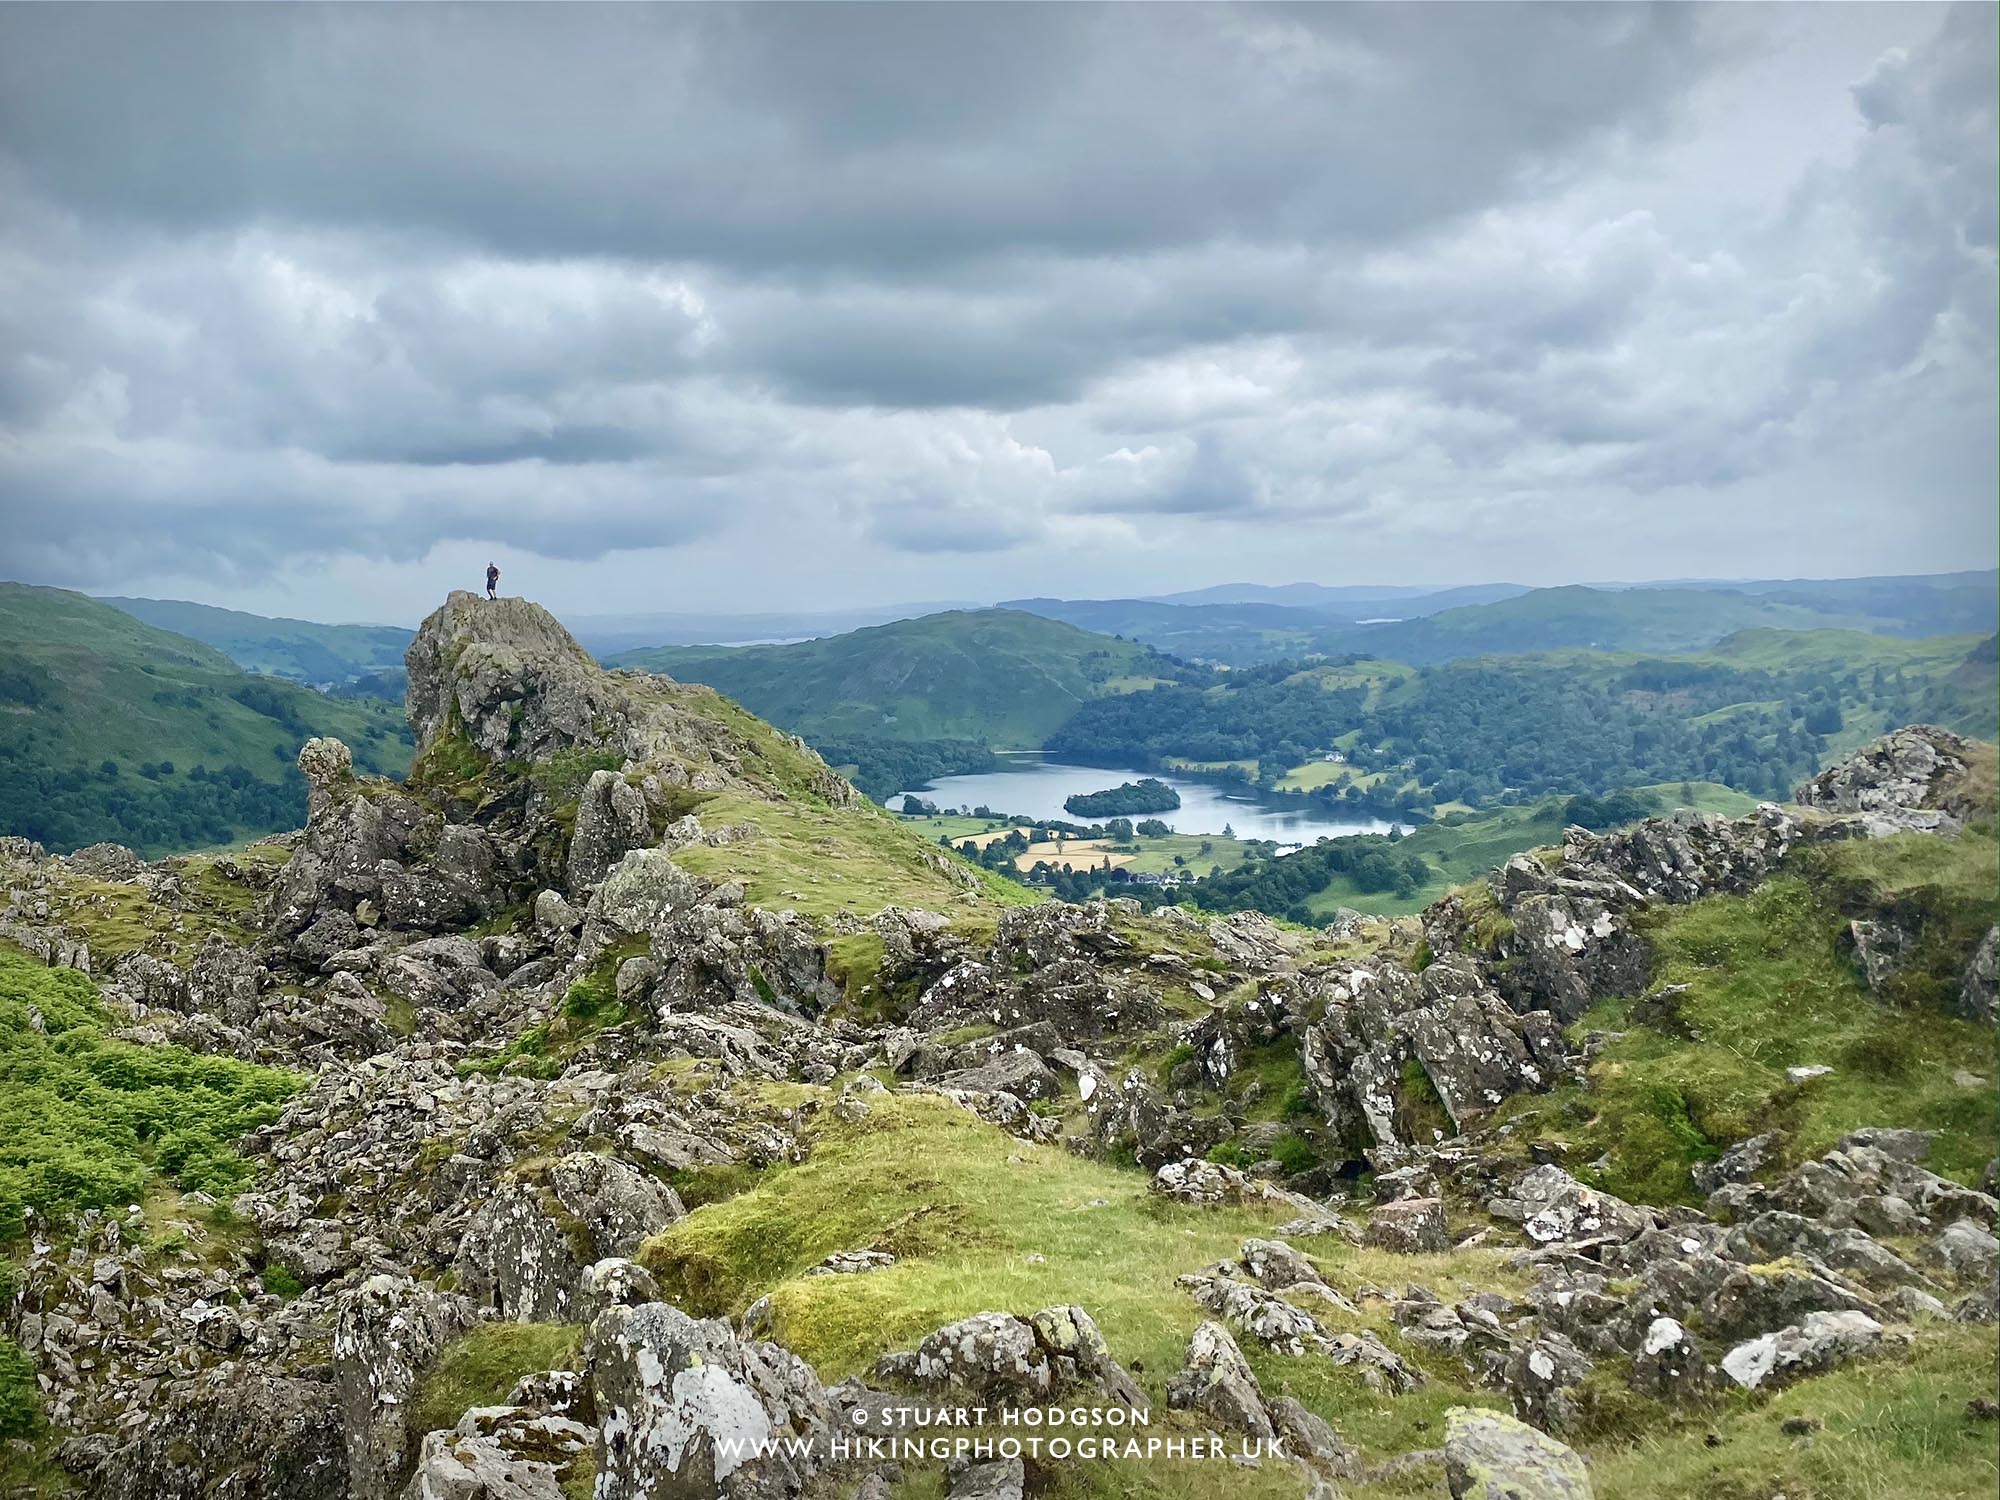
(280,285)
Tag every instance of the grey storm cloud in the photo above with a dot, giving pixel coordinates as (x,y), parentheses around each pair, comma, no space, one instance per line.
(280,285)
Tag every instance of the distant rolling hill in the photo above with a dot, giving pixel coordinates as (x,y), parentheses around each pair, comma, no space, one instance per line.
(302,650)
(1348,601)
(1245,625)
(1235,634)
(1671,620)
(113,729)
(1001,677)
(1652,621)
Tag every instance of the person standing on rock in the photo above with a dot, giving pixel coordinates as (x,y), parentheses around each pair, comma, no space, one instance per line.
(492,580)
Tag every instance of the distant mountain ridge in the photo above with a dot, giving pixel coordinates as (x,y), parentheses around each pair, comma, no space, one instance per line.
(1431,628)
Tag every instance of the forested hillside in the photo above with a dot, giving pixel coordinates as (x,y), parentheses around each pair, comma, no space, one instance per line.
(1757,714)
(949,683)
(301,650)
(111,729)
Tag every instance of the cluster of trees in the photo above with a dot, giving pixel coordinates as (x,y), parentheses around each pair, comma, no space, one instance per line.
(1147,795)
(1283,886)
(25,684)
(1264,714)
(883,768)
(278,703)
(161,812)
(1614,808)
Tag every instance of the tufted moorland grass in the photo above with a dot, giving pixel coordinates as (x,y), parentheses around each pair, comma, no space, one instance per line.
(819,860)
(480,1366)
(1770,987)
(981,1221)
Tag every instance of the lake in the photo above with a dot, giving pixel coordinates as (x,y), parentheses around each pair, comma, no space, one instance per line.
(1031,787)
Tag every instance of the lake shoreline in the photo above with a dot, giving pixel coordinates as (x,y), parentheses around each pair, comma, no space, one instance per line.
(1034,787)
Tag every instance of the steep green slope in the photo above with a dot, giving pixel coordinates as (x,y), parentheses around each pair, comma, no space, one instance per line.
(1001,677)
(301,650)
(112,729)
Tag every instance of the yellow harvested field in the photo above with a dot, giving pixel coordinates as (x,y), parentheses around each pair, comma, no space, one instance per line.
(1072,854)
(981,840)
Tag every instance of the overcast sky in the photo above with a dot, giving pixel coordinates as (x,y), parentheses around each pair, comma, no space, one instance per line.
(314,310)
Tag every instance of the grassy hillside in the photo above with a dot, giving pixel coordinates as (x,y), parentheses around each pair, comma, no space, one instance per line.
(1001,677)
(298,649)
(112,729)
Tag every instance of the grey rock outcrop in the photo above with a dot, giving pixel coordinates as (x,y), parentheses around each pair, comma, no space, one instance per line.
(1216,1381)
(1008,1360)
(1979,991)
(387,1332)
(530,1245)
(1910,779)
(1820,1341)
(683,1405)
(1491,1456)
(260,1438)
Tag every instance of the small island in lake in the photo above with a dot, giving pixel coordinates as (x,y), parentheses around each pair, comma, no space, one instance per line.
(1148,796)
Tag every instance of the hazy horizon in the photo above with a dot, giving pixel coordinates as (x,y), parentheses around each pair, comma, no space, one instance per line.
(913,608)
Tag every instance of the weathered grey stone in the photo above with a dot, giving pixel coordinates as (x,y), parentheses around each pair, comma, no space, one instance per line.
(995,1479)
(253,1437)
(1409,1226)
(1276,1265)
(611,819)
(387,1332)
(1491,1456)
(1822,1340)
(1979,990)
(533,1238)
(1215,1380)
(682,1406)
(1668,1364)
(1968,1249)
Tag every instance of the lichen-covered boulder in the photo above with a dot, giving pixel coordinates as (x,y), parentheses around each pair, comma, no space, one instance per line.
(387,1332)
(611,819)
(1012,1361)
(1821,1341)
(1979,990)
(1216,1381)
(531,1242)
(1911,779)
(685,1409)
(1491,1456)
(994,1355)
(1409,1226)
(254,1437)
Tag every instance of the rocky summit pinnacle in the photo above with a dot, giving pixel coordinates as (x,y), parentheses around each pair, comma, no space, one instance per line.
(508,677)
